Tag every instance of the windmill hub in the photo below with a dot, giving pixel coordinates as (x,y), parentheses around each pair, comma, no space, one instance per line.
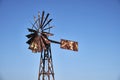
(39,32)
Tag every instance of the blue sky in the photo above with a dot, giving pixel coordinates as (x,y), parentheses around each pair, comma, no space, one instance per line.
(95,24)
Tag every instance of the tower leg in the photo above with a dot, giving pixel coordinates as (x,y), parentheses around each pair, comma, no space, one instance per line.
(46,71)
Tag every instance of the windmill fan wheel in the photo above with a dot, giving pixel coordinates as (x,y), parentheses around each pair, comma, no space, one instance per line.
(39,33)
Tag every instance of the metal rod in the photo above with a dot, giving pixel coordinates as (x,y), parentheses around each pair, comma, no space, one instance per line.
(54,41)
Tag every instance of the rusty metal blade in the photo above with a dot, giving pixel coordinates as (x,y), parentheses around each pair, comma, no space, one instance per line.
(43,43)
(30,40)
(48,34)
(45,19)
(39,19)
(31,30)
(45,40)
(39,45)
(48,28)
(30,35)
(33,25)
(47,23)
(42,19)
(37,22)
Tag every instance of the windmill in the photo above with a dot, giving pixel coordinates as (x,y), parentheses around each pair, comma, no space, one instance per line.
(39,42)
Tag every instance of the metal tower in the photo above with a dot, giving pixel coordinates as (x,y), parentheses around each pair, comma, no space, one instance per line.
(46,71)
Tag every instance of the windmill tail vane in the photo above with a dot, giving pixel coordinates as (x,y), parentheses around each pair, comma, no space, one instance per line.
(67,44)
(39,42)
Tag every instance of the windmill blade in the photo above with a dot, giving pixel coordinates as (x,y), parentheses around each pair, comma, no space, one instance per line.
(30,40)
(36,22)
(43,43)
(45,19)
(30,35)
(48,34)
(42,19)
(34,44)
(31,30)
(34,18)
(38,14)
(45,40)
(33,25)
(39,45)
(33,47)
(47,23)
(39,23)
(48,28)
(39,19)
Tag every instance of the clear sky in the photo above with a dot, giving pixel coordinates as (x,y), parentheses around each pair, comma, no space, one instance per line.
(95,24)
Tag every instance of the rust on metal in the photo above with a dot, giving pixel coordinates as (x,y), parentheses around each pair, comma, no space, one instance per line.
(70,45)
